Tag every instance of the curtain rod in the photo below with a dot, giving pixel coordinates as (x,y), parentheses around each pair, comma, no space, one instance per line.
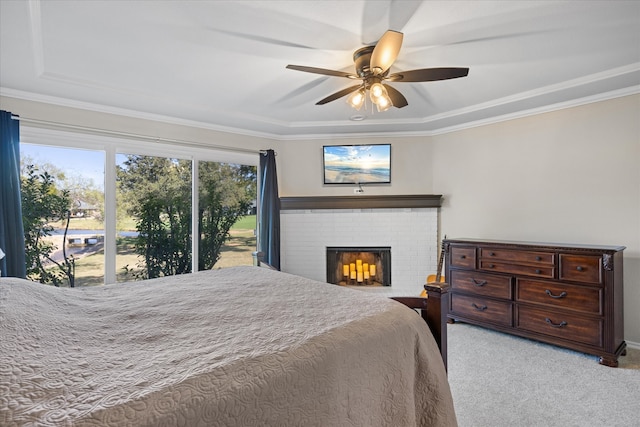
(133,135)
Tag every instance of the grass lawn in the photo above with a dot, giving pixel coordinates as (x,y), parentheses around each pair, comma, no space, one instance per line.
(245,223)
(238,250)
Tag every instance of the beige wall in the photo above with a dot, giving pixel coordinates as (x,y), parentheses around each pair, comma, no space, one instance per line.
(300,173)
(570,176)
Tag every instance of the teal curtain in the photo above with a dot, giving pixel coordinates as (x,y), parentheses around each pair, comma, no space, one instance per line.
(269,215)
(11,230)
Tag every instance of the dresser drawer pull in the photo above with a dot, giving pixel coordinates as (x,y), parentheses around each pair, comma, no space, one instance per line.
(463,256)
(555,325)
(490,265)
(538,258)
(479,283)
(562,294)
(479,307)
(538,271)
(579,268)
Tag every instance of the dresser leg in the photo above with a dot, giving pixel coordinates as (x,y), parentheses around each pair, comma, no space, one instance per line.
(610,361)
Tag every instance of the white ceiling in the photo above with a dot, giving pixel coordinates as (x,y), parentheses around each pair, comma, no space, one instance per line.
(221,64)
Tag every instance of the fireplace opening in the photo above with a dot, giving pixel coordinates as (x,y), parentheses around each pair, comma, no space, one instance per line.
(359,266)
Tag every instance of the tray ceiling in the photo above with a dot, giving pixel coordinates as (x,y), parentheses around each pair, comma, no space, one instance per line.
(221,64)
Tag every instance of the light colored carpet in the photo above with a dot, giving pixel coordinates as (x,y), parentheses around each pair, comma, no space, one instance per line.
(501,380)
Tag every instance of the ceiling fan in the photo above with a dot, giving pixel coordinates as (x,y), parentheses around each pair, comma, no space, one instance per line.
(372,65)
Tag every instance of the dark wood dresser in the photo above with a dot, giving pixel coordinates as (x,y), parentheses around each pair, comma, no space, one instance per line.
(566,295)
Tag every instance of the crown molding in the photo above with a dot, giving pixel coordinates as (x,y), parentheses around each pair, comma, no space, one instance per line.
(63,102)
(98,108)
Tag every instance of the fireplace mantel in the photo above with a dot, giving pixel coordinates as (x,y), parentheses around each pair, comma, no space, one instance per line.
(362,202)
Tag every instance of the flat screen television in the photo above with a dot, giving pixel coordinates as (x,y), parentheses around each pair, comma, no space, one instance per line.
(357,164)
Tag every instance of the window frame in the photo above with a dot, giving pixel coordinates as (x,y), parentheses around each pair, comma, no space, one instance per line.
(114,145)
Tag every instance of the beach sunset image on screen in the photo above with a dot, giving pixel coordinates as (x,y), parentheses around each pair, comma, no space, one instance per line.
(357,164)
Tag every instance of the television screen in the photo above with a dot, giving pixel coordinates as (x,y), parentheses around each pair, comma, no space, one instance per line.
(357,164)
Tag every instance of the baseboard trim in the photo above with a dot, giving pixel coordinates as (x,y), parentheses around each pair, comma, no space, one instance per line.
(633,345)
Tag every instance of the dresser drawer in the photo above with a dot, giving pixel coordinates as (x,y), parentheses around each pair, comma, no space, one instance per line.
(481,283)
(484,309)
(517,257)
(585,299)
(571,327)
(464,257)
(546,272)
(581,268)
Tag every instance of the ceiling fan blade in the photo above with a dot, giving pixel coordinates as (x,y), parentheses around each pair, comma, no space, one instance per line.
(322,71)
(386,51)
(338,94)
(397,99)
(428,74)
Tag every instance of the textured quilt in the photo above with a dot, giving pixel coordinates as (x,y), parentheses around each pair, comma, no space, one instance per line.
(243,346)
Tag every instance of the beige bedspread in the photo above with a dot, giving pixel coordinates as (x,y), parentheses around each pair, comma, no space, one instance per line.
(242,346)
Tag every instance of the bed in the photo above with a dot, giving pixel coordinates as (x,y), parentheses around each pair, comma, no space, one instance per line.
(241,346)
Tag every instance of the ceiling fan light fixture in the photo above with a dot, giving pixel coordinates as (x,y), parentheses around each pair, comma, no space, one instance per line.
(356,99)
(383,103)
(377,90)
(379,96)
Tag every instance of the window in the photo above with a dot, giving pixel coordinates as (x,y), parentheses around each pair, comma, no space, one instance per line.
(136,214)
(226,214)
(153,216)
(63,213)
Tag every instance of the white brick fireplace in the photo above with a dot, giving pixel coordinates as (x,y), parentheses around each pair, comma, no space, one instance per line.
(411,232)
